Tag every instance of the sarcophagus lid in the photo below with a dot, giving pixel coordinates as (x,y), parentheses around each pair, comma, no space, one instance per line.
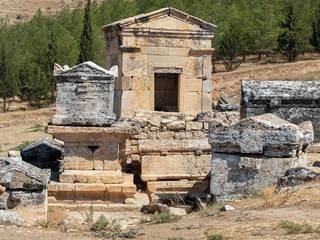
(85,95)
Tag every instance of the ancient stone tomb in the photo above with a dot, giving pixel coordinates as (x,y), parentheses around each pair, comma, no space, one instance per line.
(93,156)
(253,153)
(164,60)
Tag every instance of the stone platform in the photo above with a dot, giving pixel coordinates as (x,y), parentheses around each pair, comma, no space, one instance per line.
(95,161)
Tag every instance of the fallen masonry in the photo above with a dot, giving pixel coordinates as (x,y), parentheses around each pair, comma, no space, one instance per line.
(253,153)
(294,101)
(23,187)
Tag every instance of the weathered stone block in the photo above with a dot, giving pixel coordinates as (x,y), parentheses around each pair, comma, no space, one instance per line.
(265,135)
(155,167)
(295,101)
(85,96)
(176,125)
(194,126)
(236,175)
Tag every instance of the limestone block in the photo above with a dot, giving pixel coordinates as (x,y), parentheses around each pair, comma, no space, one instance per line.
(140,83)
(106,157)
(183,135)
(134,64)
(139,136)
(165,135)
(166,61)
(173,145)
(78,158)
(200,135)
(194,85)
(234,176)
(135,157)
(155,167)
(89,191)
(134,100)
(194,126)
(194,68)
(176,125)
(151,135)
(171,210)
(155,121)
(155,51)
(125,83)
(265,135)
(62,191)
(127,178)
(81,176)
(181,187)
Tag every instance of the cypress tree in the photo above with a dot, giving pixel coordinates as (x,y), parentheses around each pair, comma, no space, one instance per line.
(290,41)
(8,85)
(315,38)
(86,53)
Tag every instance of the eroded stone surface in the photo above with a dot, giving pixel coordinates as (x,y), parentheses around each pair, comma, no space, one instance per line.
(265,135)
(295,101)
(85,96)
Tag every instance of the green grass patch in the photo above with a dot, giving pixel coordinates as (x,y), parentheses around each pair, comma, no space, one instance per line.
(295,228)
(213,236)
(22,145)
(164,217)
(37,128)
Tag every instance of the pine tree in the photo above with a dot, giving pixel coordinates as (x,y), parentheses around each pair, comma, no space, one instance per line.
(52,59)
(231,46)
(315,38)
(86,53)
(290,41)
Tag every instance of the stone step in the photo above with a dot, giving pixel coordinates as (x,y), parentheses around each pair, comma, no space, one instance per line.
(91,191)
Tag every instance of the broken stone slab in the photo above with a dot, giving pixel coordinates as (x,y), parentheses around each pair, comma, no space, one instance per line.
(297,176)
(238,175)
(265,135)
(295,101)
(22,175)
(26,198)
(12,218)
(228,107)
(171,210)
(3,203)
(43,151)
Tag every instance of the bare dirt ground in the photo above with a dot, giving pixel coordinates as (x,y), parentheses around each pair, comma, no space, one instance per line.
(257,218)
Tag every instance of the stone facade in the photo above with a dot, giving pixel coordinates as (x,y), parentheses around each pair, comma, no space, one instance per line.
(85,95)
(164,60)
(254,153)
(295,101)
(171,154)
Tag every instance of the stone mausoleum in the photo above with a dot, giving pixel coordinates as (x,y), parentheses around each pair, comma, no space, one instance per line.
(164,60)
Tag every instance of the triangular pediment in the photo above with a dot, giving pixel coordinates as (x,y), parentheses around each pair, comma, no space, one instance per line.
(85,69)
(165,18)
(168,23)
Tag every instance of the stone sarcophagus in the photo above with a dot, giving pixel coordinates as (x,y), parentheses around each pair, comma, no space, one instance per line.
(94,146)
(253,153)
(85,95)
(295,101)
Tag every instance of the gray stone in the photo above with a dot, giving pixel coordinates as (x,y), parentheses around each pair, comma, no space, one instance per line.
(295,101)
(228,107)
(296,176)
(226,208)
(204,116)
(7,217)
(200,205)
(26,198)
(171,210)
(239,175)
(265,135)
(67,221)
(3,203)
(44,153)
(85,96)
(316,164)
(22,175)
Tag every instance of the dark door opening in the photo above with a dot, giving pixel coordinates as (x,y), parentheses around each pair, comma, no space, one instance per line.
(166,92)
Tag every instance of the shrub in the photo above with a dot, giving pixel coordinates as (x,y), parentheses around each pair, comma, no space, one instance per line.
(292,227)
(213,236)
(164,217)
(101,224)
